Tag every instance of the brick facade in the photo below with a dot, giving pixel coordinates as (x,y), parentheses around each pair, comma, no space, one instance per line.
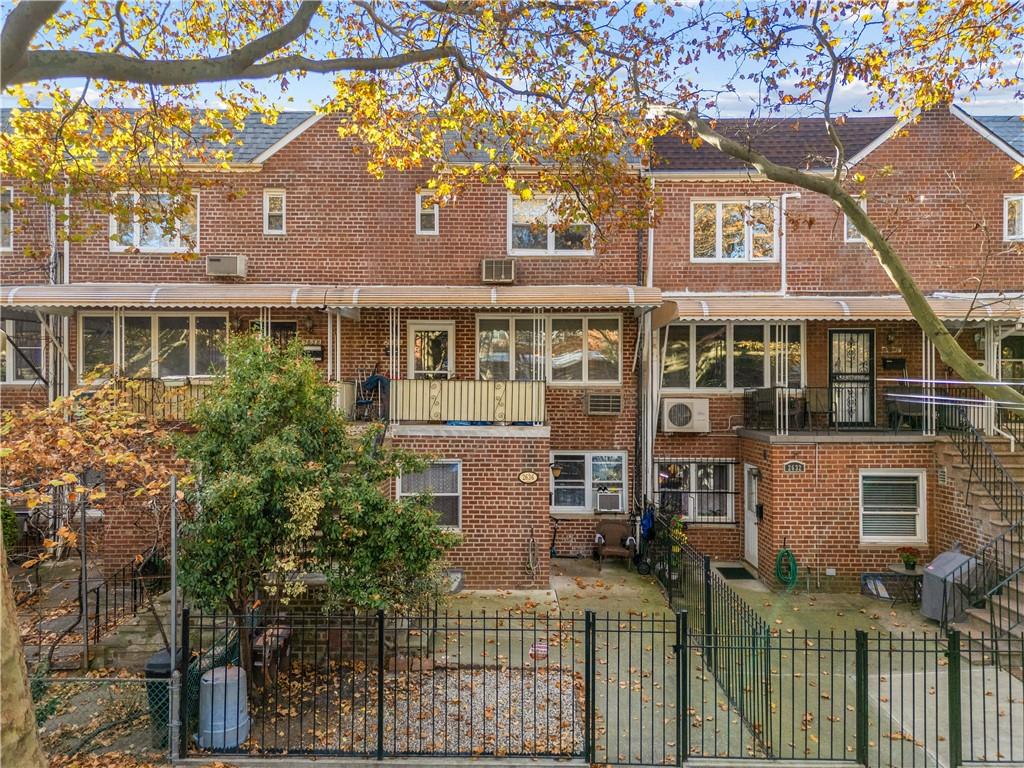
(937,190)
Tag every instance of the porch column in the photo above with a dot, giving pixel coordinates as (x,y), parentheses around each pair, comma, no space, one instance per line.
(993,367)
(780,384)
(652,405)
(928,385)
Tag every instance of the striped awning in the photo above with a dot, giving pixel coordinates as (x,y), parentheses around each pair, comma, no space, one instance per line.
(782,308)
(211,295)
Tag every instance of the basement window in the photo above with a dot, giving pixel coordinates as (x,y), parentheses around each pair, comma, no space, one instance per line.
(892,506)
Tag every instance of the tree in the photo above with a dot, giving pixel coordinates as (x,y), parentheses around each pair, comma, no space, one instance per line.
(93,443)
(561,89)
(287,489)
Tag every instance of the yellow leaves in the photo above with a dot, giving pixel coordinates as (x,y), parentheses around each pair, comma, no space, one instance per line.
(640,10)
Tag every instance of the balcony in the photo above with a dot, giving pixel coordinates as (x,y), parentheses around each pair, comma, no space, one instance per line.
(843,407)
(458,402)
(163,399)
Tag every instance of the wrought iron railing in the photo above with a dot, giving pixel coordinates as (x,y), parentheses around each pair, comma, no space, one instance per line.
(163,399)
(844,406)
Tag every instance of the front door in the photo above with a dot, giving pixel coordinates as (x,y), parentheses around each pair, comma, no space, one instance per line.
(851,377)
(750,514)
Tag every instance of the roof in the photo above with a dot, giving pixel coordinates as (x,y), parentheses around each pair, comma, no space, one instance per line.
(212,295)
(946,306)
(799,142)
(256,136)
(1009,128)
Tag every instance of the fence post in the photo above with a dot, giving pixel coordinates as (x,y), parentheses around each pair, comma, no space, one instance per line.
(380,685)
(953,698)
(861,698)
(588,686)
(174,715)
(186,652)
(682,691)
(708,623)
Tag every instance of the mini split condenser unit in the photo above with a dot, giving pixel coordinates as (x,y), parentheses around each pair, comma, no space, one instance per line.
(685,414)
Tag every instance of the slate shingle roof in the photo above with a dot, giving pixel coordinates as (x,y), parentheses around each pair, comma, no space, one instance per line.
(1009,128)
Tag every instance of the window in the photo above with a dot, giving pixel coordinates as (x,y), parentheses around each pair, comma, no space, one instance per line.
(21,351)
(6,218)
(702,491)
(588,482)
(427,216)
(431,350)
(729,356)
(892,506)
(1013,217)
(443,480)
(511,348)
(534,228)
(850,233)
(273,211)
(1011,358)
(128,232)
(153,346)
(585,349)
(281,331)
(733,230)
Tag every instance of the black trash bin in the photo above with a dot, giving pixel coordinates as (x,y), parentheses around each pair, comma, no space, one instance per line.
(159,667)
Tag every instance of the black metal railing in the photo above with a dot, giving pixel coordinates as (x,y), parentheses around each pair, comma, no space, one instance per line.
(121,596)
(994,576)
(163,399)
(616,689)
(840,407)
(698,490)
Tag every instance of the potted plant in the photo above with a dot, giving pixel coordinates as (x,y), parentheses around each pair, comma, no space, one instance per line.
(909,557)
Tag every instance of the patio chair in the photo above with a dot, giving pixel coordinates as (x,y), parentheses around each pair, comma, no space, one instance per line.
(369,404)
(818,402)
(905,407)
(615,538)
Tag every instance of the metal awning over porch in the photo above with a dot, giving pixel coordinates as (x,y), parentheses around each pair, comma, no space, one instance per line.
(66,297)
(793,308)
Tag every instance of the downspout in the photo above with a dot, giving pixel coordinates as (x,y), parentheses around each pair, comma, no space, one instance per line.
(638,444)
(784,241)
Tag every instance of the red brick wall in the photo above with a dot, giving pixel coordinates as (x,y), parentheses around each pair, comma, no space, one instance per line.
(500,514)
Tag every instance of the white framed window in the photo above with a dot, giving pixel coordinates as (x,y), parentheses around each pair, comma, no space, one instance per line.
(274,205)
(588,481)
(731,356)
(734,230)
(850,233)
(428,217)
(534,229)
(562,349)
(21,351)
(6,218)
(1013,217)
(701,490)
(159,346)
(431,349)
(128,232)
(442,479)
(893,506)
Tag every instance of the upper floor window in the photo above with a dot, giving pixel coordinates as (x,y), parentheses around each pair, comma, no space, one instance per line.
(1013,217)
(534,229)
(733,230)
(6,218)
(21,351)
(731,356)
(153,346)
(151,233)
(273,211)
(568,350)
(850,232)
(427,214)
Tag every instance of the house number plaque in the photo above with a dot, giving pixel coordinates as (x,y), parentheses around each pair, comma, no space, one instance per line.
(528,477)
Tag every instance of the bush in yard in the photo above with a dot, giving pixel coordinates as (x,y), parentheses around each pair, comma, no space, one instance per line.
(286,487)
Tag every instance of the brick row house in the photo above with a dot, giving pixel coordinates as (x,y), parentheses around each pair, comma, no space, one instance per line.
(734,363)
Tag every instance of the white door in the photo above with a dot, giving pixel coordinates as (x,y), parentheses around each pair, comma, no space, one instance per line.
(750,514)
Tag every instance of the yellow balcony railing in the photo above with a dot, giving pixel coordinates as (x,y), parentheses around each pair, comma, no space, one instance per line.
(464,402)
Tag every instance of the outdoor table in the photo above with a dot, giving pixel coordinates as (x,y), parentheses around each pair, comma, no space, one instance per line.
(909,587)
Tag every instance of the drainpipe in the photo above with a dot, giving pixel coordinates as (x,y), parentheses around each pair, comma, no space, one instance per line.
(784,240)
(639,367)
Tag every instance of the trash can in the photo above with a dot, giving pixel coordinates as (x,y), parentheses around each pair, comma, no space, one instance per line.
(159,668)
(223,708)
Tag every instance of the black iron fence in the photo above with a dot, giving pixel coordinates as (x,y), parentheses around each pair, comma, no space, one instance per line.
(613,689)
(841,406)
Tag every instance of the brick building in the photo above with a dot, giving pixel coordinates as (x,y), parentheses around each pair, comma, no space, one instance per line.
(735,362)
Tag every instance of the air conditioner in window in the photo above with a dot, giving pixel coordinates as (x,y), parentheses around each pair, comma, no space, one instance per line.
(608,502)
(685,414)
(226,266)
(498,270)
(604,403)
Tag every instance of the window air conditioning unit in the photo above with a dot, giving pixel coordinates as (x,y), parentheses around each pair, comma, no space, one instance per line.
(226,266)
(608,502)
(498,270)
(604,403)
(685,414)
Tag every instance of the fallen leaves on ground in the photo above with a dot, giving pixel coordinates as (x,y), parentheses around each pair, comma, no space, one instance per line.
(113,760)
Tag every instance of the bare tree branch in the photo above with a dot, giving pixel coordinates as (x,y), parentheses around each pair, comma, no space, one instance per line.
(21,26)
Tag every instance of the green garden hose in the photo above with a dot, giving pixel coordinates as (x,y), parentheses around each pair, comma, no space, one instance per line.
(785,567)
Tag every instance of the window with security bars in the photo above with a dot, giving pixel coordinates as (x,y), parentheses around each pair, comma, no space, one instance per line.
(892,506)
(443,481)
